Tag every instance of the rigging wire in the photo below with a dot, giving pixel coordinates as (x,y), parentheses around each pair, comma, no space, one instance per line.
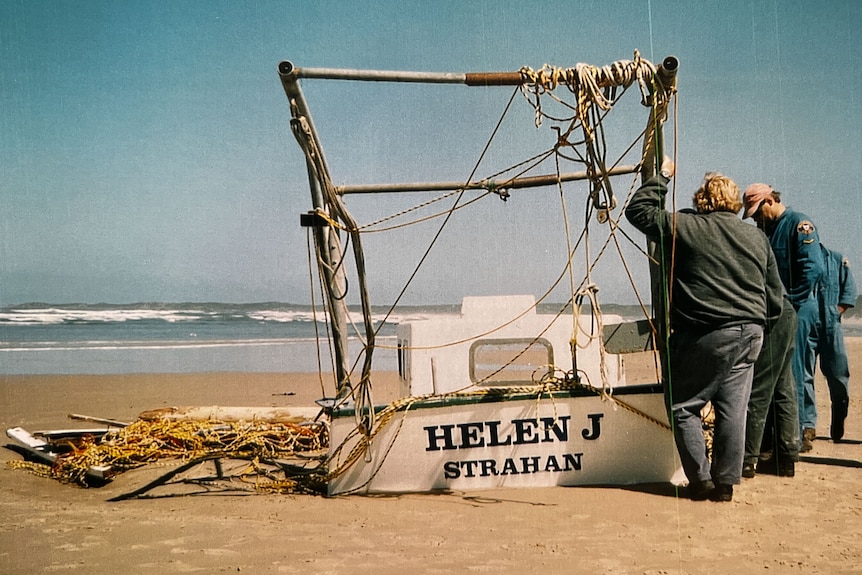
(603,184)
(664,290)
(588,116)
(493,186)
(599,153)
(448,216)
(308,242)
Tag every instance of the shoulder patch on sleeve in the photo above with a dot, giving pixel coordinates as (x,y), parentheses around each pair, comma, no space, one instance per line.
(805,227)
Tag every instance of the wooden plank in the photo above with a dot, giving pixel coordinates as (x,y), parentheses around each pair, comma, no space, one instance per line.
(111,422)
(228,413)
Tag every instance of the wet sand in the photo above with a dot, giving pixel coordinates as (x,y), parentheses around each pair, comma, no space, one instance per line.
(809,524)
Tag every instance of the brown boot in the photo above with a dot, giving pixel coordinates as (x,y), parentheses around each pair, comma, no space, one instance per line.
(808,436)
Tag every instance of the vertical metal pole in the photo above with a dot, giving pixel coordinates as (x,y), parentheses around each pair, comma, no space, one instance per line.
(664,82)
(327,242)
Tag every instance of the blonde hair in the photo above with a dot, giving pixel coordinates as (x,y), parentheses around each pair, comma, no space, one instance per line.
(717,194)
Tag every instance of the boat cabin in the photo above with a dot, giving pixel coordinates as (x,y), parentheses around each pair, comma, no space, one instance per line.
(501,341)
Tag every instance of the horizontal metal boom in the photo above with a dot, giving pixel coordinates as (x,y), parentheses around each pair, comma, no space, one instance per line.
(288,70)
(514,183)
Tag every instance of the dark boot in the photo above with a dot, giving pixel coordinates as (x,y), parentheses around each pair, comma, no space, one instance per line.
(701,490)
(722,493)
(786,468)
(839,414)
(767,466)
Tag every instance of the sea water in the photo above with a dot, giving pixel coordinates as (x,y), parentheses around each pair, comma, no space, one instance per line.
(170,338)
(186,338)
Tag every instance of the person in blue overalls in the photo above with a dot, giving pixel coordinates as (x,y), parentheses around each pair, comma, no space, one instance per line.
(804,273)
(837,295)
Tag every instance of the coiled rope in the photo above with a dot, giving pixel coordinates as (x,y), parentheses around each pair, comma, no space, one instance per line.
(591,85)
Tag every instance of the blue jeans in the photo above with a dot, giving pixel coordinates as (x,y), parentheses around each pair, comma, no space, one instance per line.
(820,333)
(711,366)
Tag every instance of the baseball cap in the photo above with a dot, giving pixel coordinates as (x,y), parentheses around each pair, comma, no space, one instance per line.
(754,195)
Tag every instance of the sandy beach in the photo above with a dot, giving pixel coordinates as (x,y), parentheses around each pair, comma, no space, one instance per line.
(808,524)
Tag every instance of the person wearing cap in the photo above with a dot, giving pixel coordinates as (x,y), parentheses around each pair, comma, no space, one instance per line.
(772,425)
(802,268)
(724,283)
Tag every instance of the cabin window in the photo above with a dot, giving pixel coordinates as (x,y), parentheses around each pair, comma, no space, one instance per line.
(510,361)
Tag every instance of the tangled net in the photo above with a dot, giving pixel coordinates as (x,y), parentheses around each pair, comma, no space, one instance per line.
(144,442)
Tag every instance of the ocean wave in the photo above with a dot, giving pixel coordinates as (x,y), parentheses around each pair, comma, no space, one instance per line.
(55,316)
(38,346)
(84,314)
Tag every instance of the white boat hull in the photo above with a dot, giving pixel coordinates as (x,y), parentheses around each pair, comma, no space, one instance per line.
(572,438)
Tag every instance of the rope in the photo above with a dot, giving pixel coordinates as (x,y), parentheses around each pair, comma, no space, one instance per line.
(590,84)
(596,91)
(362,392)
(317,338)
(145,441)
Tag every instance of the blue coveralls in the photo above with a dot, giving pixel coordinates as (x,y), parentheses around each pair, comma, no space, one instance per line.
(801,265)
(823,335)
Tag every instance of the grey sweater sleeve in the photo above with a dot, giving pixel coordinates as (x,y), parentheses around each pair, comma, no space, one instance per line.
(645,210)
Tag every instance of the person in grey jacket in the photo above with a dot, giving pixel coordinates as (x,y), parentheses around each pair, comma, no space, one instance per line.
(724,287)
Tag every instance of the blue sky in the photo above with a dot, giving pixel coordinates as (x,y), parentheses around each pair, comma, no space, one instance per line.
(146,155)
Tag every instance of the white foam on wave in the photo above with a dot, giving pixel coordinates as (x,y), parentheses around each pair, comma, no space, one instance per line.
(113,345)
(56,316)
(284,316)
(166,344)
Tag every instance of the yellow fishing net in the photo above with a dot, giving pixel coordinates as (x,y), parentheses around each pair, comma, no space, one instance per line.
(144,442)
